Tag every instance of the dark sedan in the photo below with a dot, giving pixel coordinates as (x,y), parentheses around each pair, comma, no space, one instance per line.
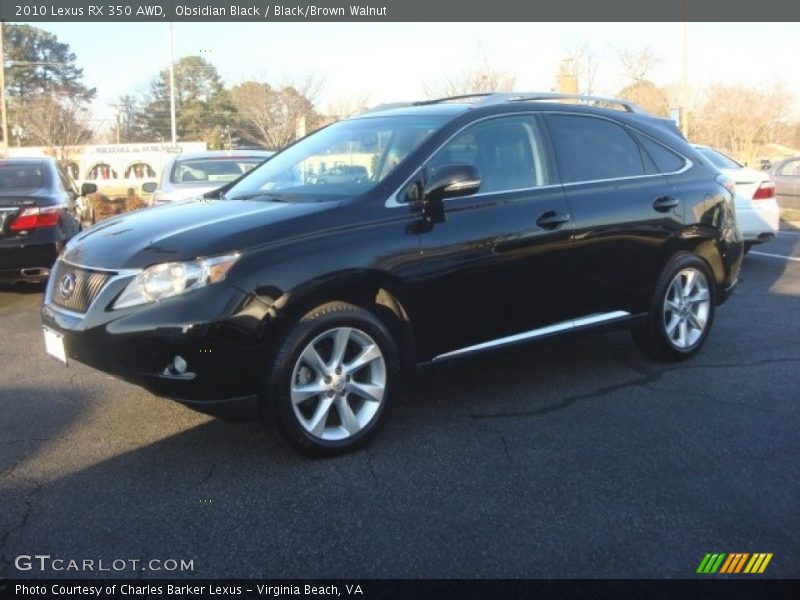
(37,216)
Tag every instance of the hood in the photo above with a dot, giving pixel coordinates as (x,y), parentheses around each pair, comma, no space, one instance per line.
(184,231)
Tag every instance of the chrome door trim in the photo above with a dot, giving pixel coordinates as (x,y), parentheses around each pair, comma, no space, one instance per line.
(535,333)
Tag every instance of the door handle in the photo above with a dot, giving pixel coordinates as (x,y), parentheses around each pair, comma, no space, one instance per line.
(665,203)
(552,220)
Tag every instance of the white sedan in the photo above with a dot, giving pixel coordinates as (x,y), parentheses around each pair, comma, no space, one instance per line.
(757,212)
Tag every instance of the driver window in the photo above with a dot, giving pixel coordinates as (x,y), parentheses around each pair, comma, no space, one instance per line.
(507,151)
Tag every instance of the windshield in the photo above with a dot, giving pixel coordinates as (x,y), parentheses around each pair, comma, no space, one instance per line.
(21,177)
(220,169)
(346,159)
(718,159)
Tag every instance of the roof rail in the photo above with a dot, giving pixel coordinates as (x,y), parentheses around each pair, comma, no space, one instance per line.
(583,99)
(455,98)
(491,98)
(386,106)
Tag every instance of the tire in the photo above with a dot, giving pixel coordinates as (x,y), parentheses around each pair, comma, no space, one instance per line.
(322,411)
(747,247)
(682,311)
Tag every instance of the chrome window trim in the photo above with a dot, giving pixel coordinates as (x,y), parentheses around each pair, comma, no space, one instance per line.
(688,163)
(569,325)
(393,202)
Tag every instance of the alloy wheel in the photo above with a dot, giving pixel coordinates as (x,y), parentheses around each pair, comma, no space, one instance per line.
(338,383)
(686,308)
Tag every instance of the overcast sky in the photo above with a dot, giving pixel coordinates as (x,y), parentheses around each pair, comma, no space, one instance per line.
(392,61)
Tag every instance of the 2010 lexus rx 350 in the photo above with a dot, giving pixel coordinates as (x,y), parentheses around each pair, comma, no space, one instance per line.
(483,222)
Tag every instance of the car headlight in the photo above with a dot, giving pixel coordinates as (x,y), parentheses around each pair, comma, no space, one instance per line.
(172,279)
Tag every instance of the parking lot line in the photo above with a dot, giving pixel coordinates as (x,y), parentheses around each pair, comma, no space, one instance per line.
(775,256)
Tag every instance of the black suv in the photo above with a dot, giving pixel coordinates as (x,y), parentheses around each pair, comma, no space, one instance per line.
(485,221)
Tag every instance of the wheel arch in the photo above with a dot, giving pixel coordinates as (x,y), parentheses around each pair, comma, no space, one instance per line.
(384,296)
(701,241)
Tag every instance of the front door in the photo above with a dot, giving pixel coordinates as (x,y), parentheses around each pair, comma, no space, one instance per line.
(495,262)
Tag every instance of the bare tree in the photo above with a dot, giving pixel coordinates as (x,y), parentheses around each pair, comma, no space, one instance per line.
(478,80)
(648,95)
(58,123)
(638,63)
(737,118)
(273,117)
(342,108)
(580,66)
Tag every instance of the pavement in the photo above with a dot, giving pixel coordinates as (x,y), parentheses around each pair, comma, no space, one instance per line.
(578,459)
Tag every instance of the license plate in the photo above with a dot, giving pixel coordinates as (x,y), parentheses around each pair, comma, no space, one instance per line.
(54,345)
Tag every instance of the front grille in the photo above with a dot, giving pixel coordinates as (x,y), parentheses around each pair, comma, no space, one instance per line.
(75,288)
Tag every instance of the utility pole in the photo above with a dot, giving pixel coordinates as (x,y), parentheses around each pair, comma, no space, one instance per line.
(172,85)
(3,93)
(685,73)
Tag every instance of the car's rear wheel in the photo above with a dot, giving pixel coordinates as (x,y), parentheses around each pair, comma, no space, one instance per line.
(682,311)
(332,380)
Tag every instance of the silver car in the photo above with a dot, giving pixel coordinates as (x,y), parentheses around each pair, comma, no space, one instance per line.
(193,174)
(786,176)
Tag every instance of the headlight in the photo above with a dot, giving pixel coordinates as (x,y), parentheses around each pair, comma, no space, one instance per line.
(171,279)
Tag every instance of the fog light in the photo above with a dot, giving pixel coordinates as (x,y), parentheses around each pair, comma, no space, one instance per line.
(179,365)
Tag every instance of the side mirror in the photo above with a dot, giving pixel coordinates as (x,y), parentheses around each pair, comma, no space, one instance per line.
(88,188)
(449,181)
(149,187)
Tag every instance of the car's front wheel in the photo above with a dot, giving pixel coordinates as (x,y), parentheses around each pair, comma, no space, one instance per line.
(332,380)
(682,311)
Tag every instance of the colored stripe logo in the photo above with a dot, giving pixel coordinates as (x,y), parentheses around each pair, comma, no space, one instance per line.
(734,563)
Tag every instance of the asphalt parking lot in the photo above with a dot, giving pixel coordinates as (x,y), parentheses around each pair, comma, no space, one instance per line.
(580,459)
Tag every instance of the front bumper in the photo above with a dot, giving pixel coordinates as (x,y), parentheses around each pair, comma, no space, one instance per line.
(216,330)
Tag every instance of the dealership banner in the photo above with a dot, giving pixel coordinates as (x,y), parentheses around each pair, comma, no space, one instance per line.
(399,10)
(405,589)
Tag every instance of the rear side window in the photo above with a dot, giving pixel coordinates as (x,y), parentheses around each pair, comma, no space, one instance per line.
(213,169)
(665,160)
(718,159)
(66,183)
(588,148)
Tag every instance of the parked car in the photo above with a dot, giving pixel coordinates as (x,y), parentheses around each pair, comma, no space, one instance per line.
(38,215)
(343,174)
(786,176)
(483,224)
(757,211)
(190,175)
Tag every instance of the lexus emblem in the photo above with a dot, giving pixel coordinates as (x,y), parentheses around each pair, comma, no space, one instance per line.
(67,286)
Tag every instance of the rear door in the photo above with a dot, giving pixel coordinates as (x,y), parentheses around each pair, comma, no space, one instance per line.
(624,212)
(495,262)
